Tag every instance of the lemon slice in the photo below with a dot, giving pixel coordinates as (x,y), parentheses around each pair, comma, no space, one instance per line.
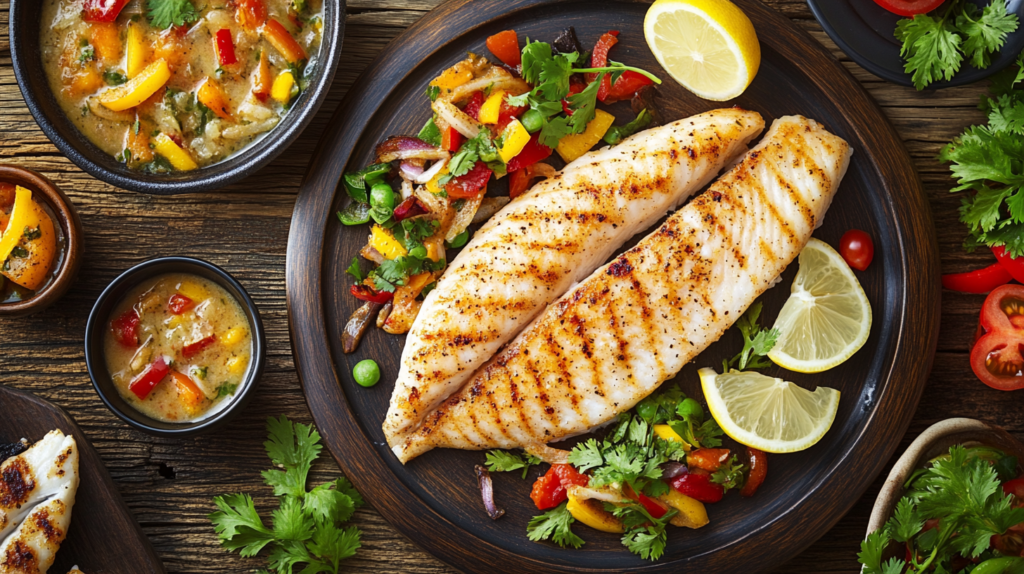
(766,413)
(827,317)
(708,46)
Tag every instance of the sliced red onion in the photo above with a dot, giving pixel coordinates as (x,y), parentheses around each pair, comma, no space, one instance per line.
(405,147)
(487,492)
(409,208)
(410,170)
(672,469)
(429,174)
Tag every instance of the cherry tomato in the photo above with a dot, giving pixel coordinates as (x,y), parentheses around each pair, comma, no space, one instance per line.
(697,484)
(909,7)
(857,249)
(102,10)
(996,357)
(126,328)
(758,461)
(549,489)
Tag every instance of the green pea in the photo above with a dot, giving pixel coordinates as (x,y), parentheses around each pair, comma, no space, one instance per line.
(366,373)
(647,409)
(532,120)
(419,252)
(460,240)
(381,195)
(690,410)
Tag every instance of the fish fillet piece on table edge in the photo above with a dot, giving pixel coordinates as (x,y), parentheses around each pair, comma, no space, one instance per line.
(531,252)
(45,479)
(634,323)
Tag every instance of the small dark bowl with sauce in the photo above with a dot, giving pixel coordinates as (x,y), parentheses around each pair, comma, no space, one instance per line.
(70,243)
(99,323)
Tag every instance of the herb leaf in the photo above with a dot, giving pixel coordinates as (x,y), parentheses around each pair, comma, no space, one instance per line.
(165,13)
(554,524)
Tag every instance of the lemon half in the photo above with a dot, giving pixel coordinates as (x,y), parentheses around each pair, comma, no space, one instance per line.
(827,317)
(766,413)
(708,46)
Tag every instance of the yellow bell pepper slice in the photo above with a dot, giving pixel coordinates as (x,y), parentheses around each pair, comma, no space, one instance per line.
(282,90)
(385,243)
(22,216)
(137,89)
(178,157)
(433,186)
(193,291)
(591,513)
(137,51)
(573,146)
(452,78)
(491,108)
(516,138)
(665,432)
(31,235)
(692,513)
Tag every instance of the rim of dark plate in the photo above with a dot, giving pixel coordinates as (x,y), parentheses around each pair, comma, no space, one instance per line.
(95,363)
(235,168)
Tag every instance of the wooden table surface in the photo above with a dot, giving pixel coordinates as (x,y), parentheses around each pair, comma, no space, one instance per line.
(169,484)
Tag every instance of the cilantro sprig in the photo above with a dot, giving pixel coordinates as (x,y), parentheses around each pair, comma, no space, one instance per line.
(505,461)
(757,342)
(935,47)
(306,528)
(963,492)
(556,525)
(166,13)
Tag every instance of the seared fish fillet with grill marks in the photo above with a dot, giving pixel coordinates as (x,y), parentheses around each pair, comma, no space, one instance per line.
(634,323)
(37,492)
(534,249)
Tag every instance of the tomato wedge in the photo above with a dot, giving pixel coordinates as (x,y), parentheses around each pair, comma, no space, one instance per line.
(909,7)
(996,357)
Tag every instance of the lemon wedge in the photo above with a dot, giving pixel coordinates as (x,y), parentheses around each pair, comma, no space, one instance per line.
(827,317)
(766,413)
(708,46)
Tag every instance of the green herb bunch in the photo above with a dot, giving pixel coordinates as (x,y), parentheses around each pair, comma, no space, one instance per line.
(963,493)
(307,525)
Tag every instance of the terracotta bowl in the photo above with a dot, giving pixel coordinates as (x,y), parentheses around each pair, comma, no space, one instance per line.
(934,441)
(70,226)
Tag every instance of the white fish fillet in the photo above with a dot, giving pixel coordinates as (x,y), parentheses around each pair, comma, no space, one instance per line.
(37,492)
(634,323)
(534,249)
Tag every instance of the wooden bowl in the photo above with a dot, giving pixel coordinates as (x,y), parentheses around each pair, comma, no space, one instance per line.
(934,441)
(70,225)
(26,58)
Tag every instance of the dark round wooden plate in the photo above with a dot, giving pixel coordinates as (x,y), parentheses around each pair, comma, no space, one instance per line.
(435,500)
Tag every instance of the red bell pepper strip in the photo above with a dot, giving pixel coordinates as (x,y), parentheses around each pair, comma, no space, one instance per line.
(102,10)
(505,47)
(126,328)
(574,88)
(625,87)
(697,484)
(149,378)
(225,47)
(366,293)
(653,507)
(451,139)
(599,59)
(194,348)
(1013,265)
(411,207)
(179,303)
(283,42)
(472,108)
(758,471)
(251,14)
(979,281)
(533,152)
(471,184)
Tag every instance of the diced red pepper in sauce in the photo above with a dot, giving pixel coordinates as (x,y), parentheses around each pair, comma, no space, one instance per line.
(225,46)
(179,303)
(472,108)
(193,349)
(366,293)
(531,154)
(149,378)
(102,10)
(251,14)
(126,328)
(471,184)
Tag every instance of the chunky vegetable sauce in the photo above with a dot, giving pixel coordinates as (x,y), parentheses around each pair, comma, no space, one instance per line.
(31,245)
(178,347)
(173,85)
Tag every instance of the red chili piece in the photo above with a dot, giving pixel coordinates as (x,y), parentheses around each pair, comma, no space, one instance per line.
(979,281)
(366,293)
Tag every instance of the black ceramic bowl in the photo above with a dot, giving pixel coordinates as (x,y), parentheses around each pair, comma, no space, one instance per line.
(865,31)
(99,319)
(25,17)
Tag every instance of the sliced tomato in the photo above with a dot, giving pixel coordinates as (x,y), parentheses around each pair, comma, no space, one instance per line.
(251,14)
(909,7)
(470,185)
(996,357)
(505,47)
(102,10)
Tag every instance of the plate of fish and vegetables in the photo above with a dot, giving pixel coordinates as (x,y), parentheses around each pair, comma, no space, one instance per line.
(565,235)
(59,508)
(169,96)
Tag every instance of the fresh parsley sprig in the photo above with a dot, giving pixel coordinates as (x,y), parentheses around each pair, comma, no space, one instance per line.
(505,461)
(556,525)
(757,342)
(166,13)
(307,526)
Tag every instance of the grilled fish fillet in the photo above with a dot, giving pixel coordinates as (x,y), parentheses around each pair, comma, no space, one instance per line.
(534,249)
(37,492)
(634,323)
